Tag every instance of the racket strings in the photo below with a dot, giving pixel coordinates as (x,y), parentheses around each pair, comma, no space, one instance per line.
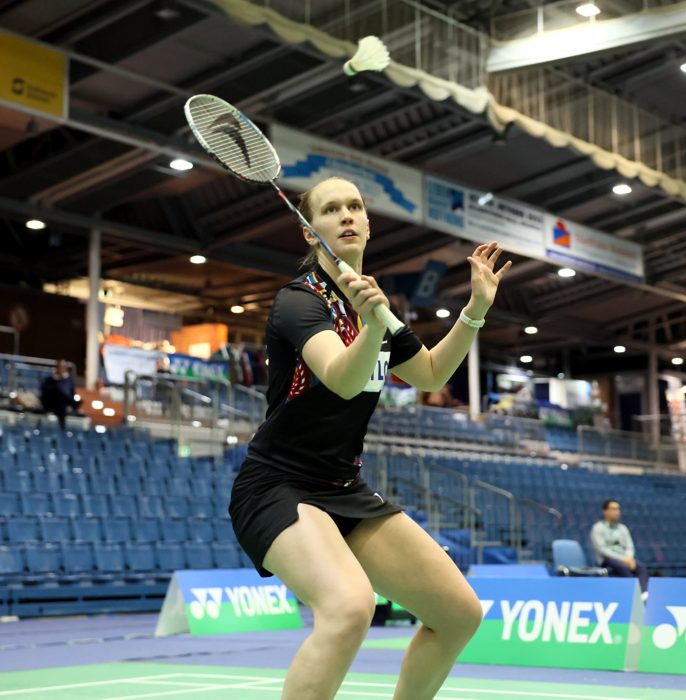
(232,138)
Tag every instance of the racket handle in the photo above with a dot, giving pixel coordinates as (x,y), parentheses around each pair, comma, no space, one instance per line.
(381,311)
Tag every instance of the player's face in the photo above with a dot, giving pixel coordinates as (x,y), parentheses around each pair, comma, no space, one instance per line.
(339,217)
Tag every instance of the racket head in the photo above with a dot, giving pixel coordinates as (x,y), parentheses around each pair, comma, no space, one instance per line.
(232,139)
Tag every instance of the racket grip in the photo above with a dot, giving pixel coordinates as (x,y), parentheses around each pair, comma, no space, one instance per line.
(381,311)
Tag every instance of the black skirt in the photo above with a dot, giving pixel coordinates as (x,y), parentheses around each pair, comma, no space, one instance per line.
(264,502)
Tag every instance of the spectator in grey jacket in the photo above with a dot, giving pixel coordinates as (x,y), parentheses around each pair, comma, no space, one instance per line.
(614,548)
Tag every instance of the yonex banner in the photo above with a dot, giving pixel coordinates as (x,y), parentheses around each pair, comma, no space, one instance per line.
(559,622)
(226,600)
(387,187)
(663,649)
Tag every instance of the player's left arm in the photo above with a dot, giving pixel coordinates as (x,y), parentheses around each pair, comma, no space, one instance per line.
(429,370)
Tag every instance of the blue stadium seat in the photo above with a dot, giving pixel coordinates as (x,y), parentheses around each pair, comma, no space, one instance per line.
(150,507)
(124,506)
(76,482)
(19,482)
(23,529)
(116,529)
(139,557)
(43,559)
(77,562)
(180,486)
(198,555)
(55,529)
(170,556)
(109,558)
(128,486)
(35,503)
(145,529)
(226,555)
(45,481)
(11,564)
(223,531)
(174,530)
(175,507)
(9,504)
(200,530)
(200,507)
(66,504)
(87,529)
(95,505)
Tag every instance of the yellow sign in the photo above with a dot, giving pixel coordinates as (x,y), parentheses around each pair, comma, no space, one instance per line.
(32,76)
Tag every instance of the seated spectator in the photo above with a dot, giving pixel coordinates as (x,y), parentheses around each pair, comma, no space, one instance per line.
(614,548)
(57,393)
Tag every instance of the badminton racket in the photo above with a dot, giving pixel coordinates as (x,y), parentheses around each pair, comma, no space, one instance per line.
(242,149)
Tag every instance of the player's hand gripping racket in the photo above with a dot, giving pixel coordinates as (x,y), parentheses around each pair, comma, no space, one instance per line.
(240,147)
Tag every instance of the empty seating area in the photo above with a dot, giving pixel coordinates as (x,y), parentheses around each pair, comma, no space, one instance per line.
(88,508)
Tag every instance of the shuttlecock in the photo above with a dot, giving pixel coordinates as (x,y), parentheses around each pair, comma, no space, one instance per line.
(371,54)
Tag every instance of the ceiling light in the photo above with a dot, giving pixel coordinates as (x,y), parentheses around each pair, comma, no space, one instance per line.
(108,412)
(526,359)
(588,9)
(180,164)
(35,224)
(677,360)
(442,313)
(566,272)
(619,349)
(97,404)
(683,67)
(100,429)
(485,199)
(198,259)
(237,309)
(531,330)
(622,188)
(560,375)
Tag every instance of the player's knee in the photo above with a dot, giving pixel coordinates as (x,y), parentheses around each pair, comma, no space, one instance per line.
(461,619)
(350,615)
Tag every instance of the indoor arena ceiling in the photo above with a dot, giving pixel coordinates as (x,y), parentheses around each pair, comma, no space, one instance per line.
(134,63)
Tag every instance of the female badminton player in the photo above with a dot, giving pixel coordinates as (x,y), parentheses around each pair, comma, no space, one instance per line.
(299,506)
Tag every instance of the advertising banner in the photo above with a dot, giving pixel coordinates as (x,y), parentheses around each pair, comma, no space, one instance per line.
(585,248)
(558,622)
(226,600)
(119,359)
(32,76)
(481,217)
(387,188)
(663,649)
(193,367)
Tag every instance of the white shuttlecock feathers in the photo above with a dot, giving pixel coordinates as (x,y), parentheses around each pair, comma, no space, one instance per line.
(371,54)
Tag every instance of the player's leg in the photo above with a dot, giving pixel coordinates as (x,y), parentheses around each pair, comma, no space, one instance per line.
(313,560)
(407,566)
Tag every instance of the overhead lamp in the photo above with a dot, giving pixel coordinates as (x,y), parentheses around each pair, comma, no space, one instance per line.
(237,309)
(181,164)
(35,224)
(531,330)
(442,313)
(485,199)
(108,412)
(683,67)
(97,405)
(114,316)
(566,272)
(588,9)
(198,259)
(619,349)
(622,188)
(677,360)
(526,359)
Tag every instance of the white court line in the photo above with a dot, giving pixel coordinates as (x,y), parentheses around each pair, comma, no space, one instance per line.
(479,691)
(165,693)
(88,684)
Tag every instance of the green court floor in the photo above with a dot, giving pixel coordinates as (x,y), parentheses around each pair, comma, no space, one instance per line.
(126,681)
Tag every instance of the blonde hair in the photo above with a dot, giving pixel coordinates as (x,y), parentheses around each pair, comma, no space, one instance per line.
(305,208)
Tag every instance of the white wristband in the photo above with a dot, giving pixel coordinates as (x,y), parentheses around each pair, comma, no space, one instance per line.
(470,321)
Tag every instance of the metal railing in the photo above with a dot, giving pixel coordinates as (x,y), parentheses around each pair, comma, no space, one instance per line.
(199,402)
(622,444)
